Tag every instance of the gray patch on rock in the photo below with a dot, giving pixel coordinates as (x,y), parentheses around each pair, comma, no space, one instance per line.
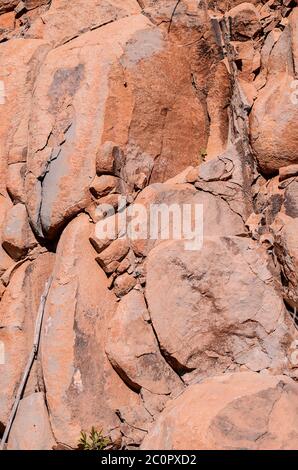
(66,81)
(291,200)
(143,45)
(58,168)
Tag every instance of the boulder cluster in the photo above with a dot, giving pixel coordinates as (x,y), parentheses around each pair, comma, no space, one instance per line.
(149,102)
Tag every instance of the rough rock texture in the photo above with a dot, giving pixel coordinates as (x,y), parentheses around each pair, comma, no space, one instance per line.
(133,349)
(221,304)
(31,429)
(273,138)
(114,112)
(230,412)
(64,113)
(18,309)
(17,238)
(82,388)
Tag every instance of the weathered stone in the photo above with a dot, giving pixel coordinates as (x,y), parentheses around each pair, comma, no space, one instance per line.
(162,131)
(275,140)
(218,99)
(31,429)
(82,388)
(8,5)
(17,238)
(66,124)
(109,159)
(18,309)
(181,178)
(105,184)
(253,223)
(285,229)
(123,284)
(231,412)
(20,59)
(245,21)
(5,260)
(133,350)
(221,301)
(123,266)
(244,59)
(78,305)
(291,199)
(217,216)
(61,22)
(212,170)
(7,22)
(20,8)
(286,172)
(115,252)
(15,181)
(192,175)
(104,232)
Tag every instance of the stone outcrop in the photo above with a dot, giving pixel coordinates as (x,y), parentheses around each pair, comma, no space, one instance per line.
(19,306)
(31,429)
(230,412)
(273,139)
(114,112)
(223,308)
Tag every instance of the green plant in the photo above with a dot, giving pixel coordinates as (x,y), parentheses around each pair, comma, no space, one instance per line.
(94,441)
(203,154)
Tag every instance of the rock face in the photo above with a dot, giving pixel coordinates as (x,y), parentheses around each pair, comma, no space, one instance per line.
(132,348)
(19,306)
(215,325)
(149,176)
(31,430)
(17,237)
(230,412)
(273,139)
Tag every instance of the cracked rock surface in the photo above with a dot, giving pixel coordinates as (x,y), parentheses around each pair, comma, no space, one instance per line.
(109,106)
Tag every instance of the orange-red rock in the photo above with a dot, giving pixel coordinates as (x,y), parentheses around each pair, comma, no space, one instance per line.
(133,350)
(274,116)
(18,309)
(221,304)
(166,103)
(230,412)
(17,238)
(31,429)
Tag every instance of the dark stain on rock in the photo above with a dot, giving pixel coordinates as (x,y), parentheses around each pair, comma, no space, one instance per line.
(65,84)
(274,206)
(291,199)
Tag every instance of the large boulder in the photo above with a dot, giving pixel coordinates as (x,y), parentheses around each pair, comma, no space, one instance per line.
(245,21)
(31,428)
(17,238)
(165,129)
(274,115)
(217,218)
(66,20)
(19,61)
(285,229)
(8,5)
(82,388)
(222,306)
(133,349)
(231,412)
(18,309)
(66,123)
(5,260)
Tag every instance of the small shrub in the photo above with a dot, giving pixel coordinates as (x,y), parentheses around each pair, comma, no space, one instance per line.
(203,154)
(94,441)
